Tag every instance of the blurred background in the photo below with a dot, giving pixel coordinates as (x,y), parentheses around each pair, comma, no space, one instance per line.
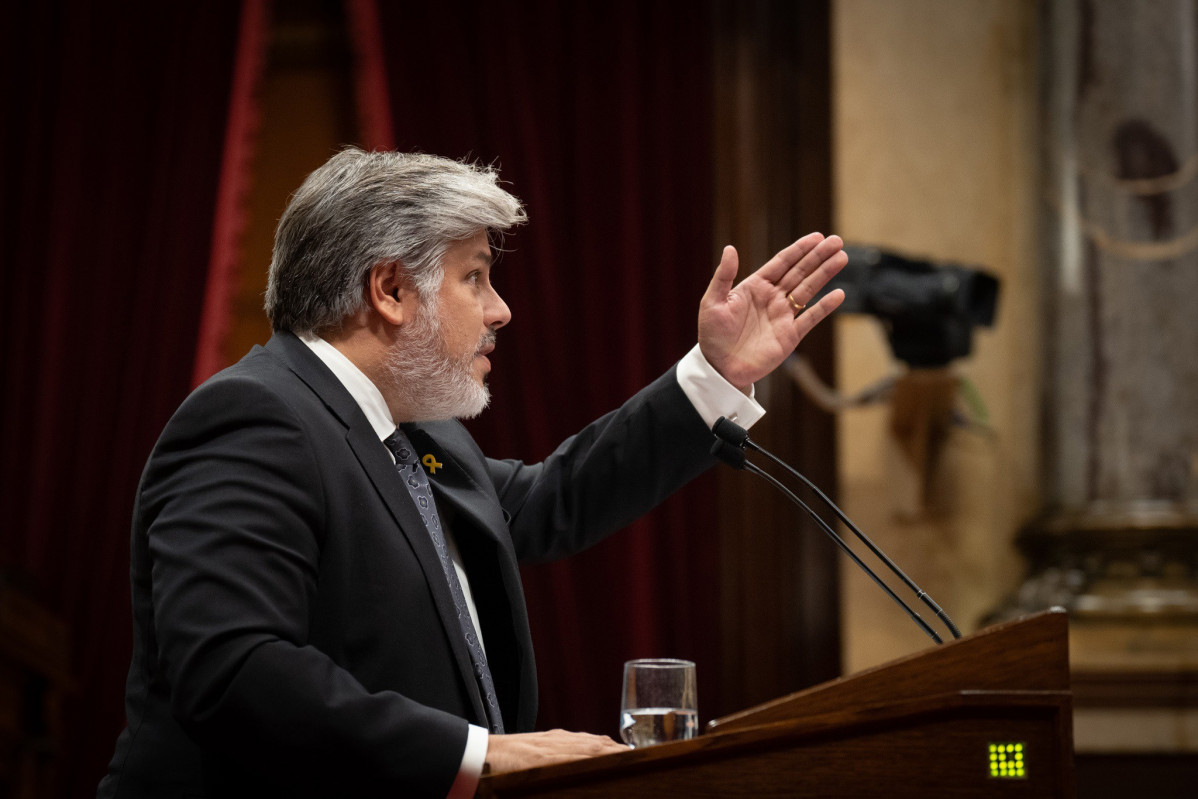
(1046,454)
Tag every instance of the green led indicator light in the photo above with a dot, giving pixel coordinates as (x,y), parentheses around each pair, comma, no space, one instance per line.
(1006,761)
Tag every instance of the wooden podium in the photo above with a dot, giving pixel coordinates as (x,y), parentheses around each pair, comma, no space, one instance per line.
(987,715)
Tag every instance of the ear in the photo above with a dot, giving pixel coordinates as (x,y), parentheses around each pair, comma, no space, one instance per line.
(391,293)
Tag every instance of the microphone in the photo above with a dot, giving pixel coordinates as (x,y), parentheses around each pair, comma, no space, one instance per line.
(730,435)
(729,453)
(735,457)
(727,430)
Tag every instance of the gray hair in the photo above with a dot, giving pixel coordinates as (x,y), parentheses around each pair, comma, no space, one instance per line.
(362,209)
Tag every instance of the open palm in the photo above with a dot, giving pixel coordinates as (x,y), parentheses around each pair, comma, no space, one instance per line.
(747,331)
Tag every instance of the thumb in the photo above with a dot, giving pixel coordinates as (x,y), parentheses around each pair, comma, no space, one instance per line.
(721,281)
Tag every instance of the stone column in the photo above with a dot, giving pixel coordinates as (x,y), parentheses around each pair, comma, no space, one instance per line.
(1118,542)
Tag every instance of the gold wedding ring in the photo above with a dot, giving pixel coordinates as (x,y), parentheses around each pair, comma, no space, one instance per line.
(798,308)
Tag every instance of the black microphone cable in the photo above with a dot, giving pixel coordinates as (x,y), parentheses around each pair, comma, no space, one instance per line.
(737,436)
(734,456)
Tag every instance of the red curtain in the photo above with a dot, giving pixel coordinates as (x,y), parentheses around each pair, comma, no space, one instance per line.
(598,114)
(111,152)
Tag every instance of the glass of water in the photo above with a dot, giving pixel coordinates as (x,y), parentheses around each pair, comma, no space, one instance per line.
(659,702)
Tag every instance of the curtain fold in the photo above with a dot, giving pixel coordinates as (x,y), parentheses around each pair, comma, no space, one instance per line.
(111,154)
(234,186)
(599,117)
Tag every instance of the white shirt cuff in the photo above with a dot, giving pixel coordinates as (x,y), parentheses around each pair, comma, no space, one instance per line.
(712,395)
(473,760)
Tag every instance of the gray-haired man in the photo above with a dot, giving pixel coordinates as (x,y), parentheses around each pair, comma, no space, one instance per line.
(325,587)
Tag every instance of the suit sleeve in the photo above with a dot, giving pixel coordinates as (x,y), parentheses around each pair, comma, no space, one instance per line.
(235,510)
(611,473)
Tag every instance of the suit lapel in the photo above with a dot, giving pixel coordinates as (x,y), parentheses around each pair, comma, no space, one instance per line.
(378,466)
(376,462)
(454,484)
(480,530)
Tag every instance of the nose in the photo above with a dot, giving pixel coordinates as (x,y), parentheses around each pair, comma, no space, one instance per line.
(497,314)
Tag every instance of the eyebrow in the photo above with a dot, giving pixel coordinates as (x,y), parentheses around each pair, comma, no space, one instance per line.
(485,257)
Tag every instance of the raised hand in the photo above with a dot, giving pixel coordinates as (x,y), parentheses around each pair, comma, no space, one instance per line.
(747,331)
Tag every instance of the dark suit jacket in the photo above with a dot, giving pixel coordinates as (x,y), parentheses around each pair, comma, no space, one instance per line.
(293,631)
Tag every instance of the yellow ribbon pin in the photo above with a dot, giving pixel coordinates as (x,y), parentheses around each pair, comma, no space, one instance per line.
(431,463)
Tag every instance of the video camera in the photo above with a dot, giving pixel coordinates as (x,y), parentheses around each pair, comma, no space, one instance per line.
(929,310)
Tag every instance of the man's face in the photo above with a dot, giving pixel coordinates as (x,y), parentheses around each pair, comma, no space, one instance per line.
(439,362)
(468,307)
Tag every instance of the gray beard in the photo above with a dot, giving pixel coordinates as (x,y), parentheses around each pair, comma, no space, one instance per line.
(430,384)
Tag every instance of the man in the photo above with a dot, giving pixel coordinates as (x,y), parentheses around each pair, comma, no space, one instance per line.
(326,604)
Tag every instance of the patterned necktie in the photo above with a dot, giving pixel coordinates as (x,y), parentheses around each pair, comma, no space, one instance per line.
(417,483)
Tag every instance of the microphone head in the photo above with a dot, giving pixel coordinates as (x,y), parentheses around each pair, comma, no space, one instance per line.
(730,454)
(731,432)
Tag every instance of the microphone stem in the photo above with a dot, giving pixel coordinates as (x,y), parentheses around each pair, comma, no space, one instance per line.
(923,596)
(845,547)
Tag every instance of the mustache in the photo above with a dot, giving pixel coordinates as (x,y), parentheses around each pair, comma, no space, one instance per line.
(488,340)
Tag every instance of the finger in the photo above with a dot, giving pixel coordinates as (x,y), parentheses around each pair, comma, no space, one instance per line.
(775,268)
(809,264)
(814,282)
(584,740)
(722,280)
(580,745)
(818,312)
(607,746)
